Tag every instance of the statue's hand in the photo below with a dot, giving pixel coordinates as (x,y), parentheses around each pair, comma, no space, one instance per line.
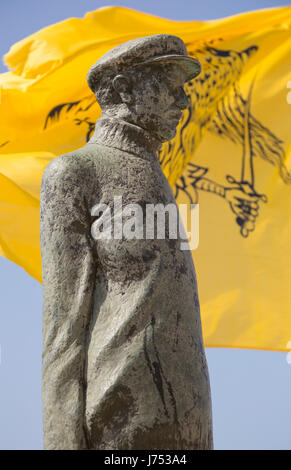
(244,203)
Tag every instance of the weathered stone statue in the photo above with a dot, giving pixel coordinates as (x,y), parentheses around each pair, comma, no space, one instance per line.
(123,360)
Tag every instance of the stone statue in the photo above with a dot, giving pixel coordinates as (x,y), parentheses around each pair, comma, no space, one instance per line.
(123,360)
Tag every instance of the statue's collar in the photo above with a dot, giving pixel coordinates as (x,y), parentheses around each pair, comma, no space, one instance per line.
(122,135)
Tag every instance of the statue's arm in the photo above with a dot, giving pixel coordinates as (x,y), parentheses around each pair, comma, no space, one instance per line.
(68,268)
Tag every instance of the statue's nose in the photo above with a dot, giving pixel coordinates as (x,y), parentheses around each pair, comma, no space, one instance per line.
(181,99)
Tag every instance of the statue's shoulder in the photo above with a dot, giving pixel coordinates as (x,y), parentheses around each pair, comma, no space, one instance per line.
(71,168)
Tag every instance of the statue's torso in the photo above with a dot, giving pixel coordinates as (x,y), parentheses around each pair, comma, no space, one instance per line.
(147,377)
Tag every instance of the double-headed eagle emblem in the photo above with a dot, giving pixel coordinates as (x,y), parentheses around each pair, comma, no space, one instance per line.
(216,106)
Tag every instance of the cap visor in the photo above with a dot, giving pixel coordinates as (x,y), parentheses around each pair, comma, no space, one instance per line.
(190,65)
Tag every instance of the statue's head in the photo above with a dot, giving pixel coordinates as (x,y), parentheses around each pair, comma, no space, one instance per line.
(142,82)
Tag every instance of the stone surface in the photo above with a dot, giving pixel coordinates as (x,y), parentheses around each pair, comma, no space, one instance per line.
(123,360)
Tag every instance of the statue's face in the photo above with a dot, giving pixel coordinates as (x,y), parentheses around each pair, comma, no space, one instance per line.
(152,98)
(159,100)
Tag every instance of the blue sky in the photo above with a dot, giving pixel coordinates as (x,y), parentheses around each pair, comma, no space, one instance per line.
(250,389)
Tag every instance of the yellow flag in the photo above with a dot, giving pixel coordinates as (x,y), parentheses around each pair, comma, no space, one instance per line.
(231,154)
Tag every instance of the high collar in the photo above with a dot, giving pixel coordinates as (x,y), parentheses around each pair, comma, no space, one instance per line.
(122,135)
